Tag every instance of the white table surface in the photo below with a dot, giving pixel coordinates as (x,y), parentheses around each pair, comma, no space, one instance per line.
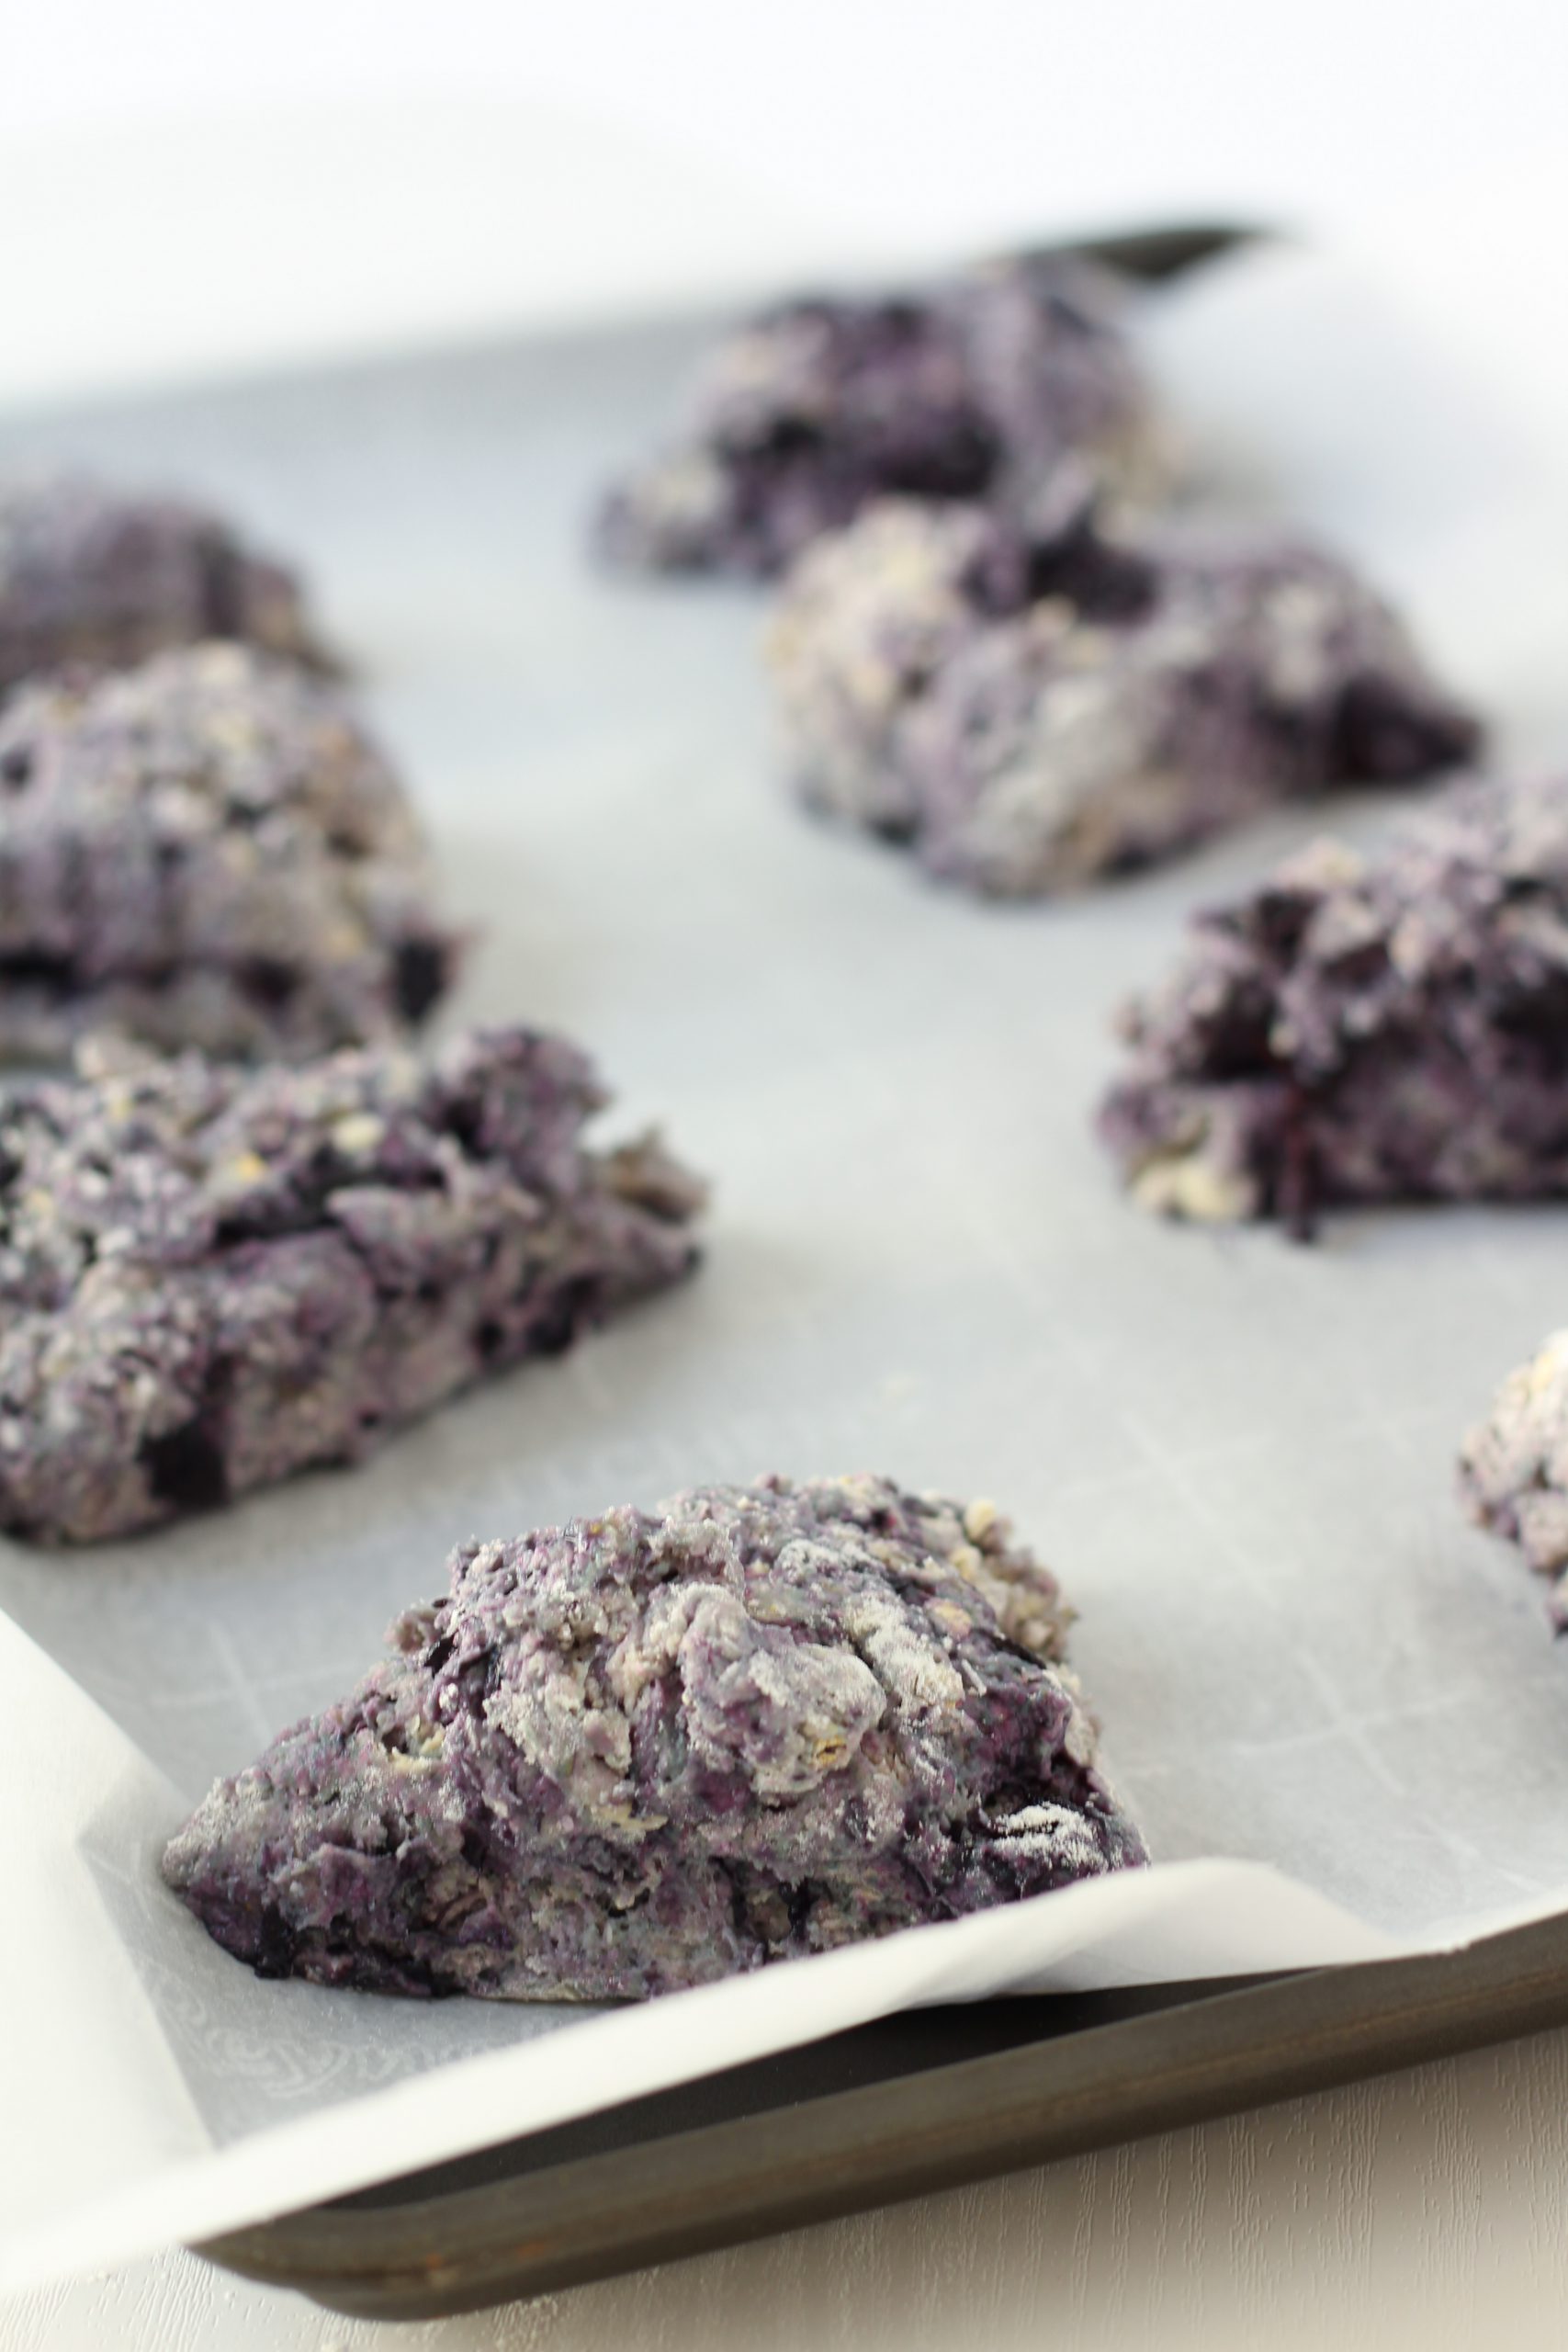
(1426,2208)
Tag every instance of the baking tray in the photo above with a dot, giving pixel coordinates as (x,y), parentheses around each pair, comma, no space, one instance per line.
(923,2101)
(916,2102)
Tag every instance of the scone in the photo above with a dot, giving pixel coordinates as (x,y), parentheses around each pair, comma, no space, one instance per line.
(94,578)
(1382,1028)
(207,851)
(1032,707)
(645,1750)
(976,388)
(213,1277)
(1513,1468)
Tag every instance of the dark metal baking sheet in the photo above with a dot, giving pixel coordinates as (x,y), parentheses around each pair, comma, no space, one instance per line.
(923,2101)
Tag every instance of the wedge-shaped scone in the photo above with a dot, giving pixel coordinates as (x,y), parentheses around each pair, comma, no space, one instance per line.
(210,1278)
(1033,706)
(977,387)
(1514,1468)
(97,577)
(207,851)
(642,1751)
(1366,1029)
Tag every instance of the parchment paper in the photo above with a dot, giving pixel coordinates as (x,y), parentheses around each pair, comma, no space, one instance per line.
(1236,1452)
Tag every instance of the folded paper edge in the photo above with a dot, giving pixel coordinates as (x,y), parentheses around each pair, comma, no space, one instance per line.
(1084,1937)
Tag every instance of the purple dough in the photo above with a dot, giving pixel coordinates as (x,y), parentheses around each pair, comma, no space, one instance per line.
(643,1751)
(207,851)
(1514,1468)
(1366,1030)
(977,387)
(1033,708)
(97,579)
(210,1278)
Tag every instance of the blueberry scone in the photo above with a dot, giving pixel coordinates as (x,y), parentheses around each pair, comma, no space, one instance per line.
(212,1277)
(207,851)
(1031,707)
(645,1750)
(96,578)
(1514,1468)
(976,388)
(1382,1028)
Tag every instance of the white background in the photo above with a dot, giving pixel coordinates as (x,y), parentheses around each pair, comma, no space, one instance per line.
(913,117)
(188,188)
(185,185)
